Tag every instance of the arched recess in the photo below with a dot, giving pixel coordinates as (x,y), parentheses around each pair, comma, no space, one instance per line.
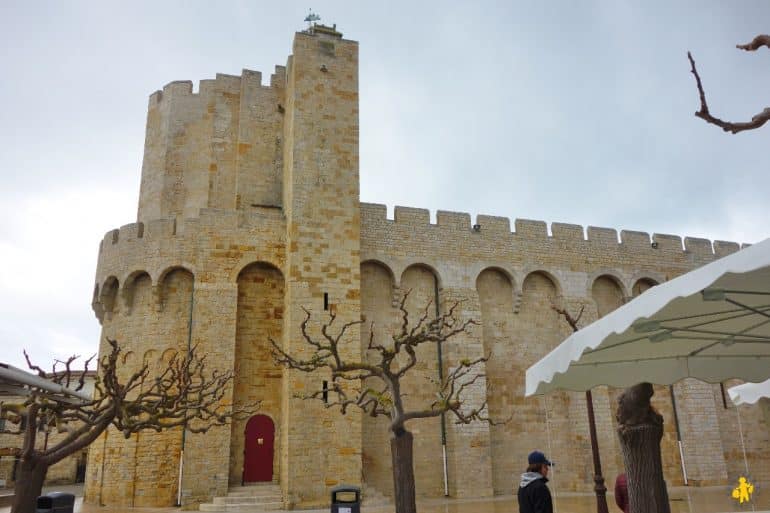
(607,293)
(109,294)
(137,280)
(158,335)
(257,378)
(642,285)
(420,385)
(168,281)
(537,422)
(495,291)
(377,282)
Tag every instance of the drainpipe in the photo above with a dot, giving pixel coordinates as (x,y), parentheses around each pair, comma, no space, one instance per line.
(184,427)
(441,380)
(678,434)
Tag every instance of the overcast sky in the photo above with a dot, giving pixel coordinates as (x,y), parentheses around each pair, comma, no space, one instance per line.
(578,112)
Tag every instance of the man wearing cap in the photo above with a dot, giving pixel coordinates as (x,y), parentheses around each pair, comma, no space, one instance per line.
(534,496)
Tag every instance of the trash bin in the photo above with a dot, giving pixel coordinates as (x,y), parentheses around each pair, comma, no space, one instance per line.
(55,502)
(346,499)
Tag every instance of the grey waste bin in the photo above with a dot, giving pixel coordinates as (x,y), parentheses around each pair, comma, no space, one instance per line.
(346,499)
(55,502)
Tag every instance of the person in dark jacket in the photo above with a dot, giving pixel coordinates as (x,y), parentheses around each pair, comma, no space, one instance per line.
(534,496)
(621,492)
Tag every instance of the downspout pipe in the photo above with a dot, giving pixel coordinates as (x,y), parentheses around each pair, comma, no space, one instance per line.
(441,380)
(184,427)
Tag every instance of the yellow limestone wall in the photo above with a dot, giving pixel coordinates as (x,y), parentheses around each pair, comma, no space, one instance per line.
(249,211)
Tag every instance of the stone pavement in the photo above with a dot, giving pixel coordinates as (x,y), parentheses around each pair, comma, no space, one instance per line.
(714,499)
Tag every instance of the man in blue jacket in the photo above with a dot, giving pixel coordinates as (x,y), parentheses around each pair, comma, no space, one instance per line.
(534,496)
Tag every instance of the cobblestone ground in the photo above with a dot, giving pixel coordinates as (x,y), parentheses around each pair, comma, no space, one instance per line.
(683,500)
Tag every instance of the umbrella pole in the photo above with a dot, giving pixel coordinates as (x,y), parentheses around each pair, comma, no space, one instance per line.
(599,487)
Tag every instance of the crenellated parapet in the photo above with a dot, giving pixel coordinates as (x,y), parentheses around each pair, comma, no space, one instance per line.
(459,248)
(219,147)
(373,214)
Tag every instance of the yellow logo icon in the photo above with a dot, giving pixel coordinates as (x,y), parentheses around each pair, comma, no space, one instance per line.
(742,492)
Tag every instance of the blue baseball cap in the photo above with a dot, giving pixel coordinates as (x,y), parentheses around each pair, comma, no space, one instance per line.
(538,457)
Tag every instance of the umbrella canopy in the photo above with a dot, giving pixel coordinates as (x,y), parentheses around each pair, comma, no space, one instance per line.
(712,323)
(749,393)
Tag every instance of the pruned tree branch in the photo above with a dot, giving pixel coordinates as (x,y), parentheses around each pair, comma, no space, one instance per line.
(756,43)
(734,127)
(571,320)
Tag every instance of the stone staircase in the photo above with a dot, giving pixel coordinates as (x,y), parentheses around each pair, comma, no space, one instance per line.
(252,497)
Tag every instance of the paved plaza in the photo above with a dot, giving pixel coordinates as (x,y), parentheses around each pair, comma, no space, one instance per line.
(714,499)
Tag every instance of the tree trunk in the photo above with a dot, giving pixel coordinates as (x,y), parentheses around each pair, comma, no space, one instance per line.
(640,431)
(28,486)
(403,471)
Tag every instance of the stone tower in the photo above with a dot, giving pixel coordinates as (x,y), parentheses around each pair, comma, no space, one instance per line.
(248,212)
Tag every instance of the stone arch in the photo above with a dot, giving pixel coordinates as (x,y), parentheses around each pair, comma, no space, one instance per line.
(641,285)
(163,274)
(109,293)
(127,358)
(149,357)
(259,317)
(611,275)
(377,299)
(607,293)
(495,291)
(498,269)
(248,262)
(167,281)
(382,265)
(433,269)
(548,275)
(128,290)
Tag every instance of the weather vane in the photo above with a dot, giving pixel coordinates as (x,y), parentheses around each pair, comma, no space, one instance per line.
(311,17)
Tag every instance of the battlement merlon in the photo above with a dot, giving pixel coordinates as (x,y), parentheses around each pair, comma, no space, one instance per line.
(222,82)
(418,219)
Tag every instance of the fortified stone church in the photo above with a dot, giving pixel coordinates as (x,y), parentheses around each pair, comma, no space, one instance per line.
(249,211)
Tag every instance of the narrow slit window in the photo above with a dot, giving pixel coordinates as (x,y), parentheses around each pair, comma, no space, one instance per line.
(326,392)
(326,300)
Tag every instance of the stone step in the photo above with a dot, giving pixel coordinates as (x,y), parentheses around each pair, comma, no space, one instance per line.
(265,506)
(248,499)
(254,491)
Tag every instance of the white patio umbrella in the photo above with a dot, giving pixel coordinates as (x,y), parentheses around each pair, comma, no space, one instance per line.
(712,324)
(749,393)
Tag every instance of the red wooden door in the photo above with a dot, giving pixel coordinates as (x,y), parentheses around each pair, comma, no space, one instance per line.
(258,449)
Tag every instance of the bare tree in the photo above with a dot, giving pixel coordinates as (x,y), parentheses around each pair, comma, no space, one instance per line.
(375,384)
(184,393)
(728,126)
